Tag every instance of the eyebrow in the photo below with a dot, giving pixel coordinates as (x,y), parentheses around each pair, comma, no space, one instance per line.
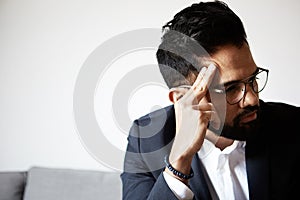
(236,81)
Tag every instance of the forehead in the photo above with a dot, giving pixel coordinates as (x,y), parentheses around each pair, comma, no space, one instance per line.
(234,63)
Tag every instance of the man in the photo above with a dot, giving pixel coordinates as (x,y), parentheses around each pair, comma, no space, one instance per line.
(218,140)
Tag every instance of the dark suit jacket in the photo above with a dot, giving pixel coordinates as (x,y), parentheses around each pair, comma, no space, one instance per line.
(272,157)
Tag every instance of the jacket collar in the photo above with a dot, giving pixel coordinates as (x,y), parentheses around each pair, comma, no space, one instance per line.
(198,183)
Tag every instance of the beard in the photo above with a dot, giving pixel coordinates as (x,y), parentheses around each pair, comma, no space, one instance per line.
(242,131)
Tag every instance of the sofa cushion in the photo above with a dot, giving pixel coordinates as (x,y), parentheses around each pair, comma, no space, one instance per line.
(67,184)
(12,185)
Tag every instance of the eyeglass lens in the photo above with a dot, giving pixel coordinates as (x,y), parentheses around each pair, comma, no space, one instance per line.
(236,92)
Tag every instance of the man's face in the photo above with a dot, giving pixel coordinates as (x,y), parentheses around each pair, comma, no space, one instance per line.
(237,64)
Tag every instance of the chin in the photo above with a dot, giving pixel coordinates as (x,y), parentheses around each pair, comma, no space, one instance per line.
(242,132)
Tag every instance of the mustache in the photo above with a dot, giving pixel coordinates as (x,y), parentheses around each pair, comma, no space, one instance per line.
(246,111)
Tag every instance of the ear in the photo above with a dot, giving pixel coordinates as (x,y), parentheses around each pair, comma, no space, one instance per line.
(176,93)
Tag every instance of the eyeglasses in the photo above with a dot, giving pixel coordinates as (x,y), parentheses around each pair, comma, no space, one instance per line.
(236,91)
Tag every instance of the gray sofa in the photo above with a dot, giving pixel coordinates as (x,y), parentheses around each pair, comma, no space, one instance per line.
(40,183)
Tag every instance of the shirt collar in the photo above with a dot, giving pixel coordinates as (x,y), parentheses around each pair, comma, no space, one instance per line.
(213,158)
(208,147)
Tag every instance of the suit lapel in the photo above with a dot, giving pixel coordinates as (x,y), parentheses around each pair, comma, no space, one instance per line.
(257,170)
(197,183)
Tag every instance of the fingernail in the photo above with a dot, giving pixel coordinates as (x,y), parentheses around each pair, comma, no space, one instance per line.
(211,68)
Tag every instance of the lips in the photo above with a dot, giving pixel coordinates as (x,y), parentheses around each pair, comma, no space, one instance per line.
(249,117)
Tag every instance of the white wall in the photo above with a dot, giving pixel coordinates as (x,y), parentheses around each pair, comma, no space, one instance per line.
(43,45)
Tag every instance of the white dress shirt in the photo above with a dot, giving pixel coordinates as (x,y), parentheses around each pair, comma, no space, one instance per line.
(226,171)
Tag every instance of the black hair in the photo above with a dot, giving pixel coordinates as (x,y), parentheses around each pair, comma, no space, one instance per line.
(210,25)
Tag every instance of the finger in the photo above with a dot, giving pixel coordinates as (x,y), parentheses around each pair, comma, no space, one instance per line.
(180,90)
(200,86)
(199,77)
(207,79)
(203,107)
(205,116)
(203,100)
(208,108)
(191,93)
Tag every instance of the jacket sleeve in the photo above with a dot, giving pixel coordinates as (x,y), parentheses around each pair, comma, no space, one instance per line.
(138,182)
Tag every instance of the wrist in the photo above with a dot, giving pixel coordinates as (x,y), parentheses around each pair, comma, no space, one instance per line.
(180,169)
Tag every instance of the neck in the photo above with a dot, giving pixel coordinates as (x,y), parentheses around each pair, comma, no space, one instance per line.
(219,141)
(223,142)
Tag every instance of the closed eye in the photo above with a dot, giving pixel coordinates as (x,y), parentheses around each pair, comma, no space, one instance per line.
(232,88)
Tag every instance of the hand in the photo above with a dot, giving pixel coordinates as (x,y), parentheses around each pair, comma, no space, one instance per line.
(192,112)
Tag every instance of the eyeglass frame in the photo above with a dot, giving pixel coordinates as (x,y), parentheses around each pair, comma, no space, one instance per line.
(248,80)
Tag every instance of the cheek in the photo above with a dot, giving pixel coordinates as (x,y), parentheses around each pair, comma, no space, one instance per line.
(231,113)
(220,105)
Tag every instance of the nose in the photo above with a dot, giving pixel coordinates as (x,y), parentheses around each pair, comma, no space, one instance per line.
(250,97)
